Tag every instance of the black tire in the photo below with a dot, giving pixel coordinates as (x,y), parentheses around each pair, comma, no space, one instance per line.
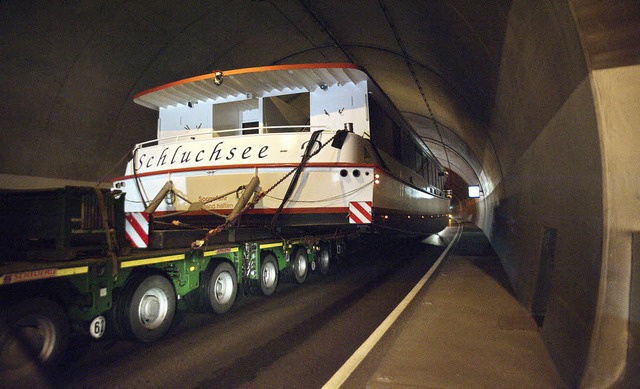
(268,275)
(300,265)
(36,330)
(195,300)
(222,287)
(146,308)
(325,259)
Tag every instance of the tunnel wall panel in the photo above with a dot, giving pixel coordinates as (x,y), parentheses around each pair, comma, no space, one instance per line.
(611,360)
(542,63)
(556,184)
(545,134)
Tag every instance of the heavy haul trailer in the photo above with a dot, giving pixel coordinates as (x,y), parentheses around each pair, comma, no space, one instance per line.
(66,268)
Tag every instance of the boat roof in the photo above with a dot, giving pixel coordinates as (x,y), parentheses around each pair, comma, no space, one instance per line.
(256,81)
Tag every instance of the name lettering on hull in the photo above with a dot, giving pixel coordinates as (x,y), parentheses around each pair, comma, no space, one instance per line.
(201,153)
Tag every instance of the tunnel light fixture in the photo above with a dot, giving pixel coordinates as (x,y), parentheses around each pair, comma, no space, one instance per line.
(474,191)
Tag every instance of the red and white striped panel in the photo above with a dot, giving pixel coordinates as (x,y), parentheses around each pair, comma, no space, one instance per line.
(137,229)
(360,212)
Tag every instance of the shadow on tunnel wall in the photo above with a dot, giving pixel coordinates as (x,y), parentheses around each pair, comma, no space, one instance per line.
(476,247)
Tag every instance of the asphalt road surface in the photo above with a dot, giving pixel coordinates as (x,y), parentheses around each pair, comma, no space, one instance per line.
(296,338)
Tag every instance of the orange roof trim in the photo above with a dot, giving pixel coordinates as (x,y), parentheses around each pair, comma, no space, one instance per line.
(257,69)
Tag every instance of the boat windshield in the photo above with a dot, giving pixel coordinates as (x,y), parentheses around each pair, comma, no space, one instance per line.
(276,114)
(283,111)
(236,118)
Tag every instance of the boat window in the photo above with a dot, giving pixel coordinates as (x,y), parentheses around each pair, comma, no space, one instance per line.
(395,140)
(434,175)
(288,111)
(419,161)
(381,127)
(230,118)
(250,128)
(408,151)
(426,166)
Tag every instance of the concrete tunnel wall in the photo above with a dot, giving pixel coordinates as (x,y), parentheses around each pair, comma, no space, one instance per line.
(563,136)
(614,347)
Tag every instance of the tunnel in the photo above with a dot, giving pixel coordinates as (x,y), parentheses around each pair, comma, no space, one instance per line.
(536,102)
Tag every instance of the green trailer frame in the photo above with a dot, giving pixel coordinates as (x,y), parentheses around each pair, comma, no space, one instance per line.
(133,291)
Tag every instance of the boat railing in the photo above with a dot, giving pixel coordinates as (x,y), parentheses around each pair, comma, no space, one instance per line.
(213,133)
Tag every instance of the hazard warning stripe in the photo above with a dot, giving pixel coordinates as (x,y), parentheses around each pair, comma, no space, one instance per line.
(137,228)
(360,212)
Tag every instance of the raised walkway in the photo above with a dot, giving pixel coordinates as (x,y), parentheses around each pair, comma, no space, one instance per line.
(463,329)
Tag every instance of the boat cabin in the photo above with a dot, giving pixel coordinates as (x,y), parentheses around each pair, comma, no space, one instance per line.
(251,101)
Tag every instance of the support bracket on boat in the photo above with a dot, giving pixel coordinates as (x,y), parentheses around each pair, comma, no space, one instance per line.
(341,136)
(249,190)
(158,199)
(242,205)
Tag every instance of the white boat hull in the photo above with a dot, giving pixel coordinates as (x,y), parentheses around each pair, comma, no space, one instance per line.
(333,187)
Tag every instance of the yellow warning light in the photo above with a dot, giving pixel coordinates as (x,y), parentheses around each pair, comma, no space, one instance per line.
(192,268)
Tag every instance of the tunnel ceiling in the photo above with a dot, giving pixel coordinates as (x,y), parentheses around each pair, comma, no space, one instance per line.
(70,68)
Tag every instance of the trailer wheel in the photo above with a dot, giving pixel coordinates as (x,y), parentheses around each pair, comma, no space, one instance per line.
(300,265)
(222,287)
(195,301)
(149,305)
(324,259)
(268,275)
(38,327)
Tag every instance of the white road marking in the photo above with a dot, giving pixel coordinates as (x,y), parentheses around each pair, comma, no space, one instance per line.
(361,353)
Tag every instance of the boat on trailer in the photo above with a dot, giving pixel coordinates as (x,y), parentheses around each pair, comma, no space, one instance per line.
(280,150)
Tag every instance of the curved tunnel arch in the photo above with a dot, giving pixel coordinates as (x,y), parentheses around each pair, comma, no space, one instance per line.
(429,69)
